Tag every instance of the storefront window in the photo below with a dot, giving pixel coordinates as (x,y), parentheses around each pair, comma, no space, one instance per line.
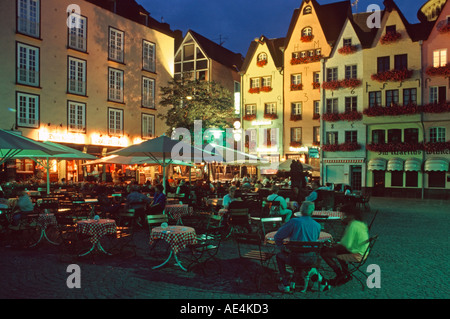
(436,179)
(397,179)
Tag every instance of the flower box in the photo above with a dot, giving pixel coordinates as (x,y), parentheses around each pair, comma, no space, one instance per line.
(392,75)
(316,116)
(254,90)
(307,59)
(392,110)
(390,37)
(330,117)
(349,147)
(296,87)
(331,85)
(307,38)
(436,108)
(394,147)
(350,116)
(330,147)
(445,28)
(265,89)
(348,49)
(350,83)
(437,147)
(316,85)
(249,117)
(439,71)
(261,63)
(295,144)
(271,116)
(296,117)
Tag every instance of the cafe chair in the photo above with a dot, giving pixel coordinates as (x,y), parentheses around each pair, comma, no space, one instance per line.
(26,233)
(156,221)
(206,249)
(356,261)
(250,248)
(238,221)
(124,236)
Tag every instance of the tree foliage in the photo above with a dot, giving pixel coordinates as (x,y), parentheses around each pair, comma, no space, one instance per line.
(190,100)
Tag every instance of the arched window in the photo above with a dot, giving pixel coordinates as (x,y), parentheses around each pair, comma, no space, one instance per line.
(307,10)
(307,31)
(262,57)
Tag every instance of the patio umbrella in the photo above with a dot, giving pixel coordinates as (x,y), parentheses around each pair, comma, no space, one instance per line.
(13,144)
(65,152)
(163,150)
(286,166)
(231,156)
(128,160)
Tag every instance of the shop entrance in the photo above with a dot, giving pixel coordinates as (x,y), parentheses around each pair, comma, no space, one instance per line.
(379,178)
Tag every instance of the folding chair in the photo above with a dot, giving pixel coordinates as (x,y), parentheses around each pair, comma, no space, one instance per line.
(250,248)
(356,261)
(239,220)
(124,237)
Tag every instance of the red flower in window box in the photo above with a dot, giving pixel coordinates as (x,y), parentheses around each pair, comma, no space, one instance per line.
(330,147)
(350,83)
(349,147)
(254,90)
(316,116)
(316,143)
(392,75)
(437,147)
(350,116)
(439,71)
(445,28)
(295,144)
(261,63)
(436,108)
(296,87)
(330,117)
(306,59)
(394,147)
(265,89)
(348,49)
(296,117)
(331,85)
(306,38)
(390,37)
(249,117)
(316,85)
(271,116)
(392,110)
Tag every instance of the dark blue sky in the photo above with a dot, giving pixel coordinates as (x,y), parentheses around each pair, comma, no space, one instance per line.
(238,22)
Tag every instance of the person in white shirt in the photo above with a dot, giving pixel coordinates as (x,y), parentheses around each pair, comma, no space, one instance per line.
(283,205)
(230,197)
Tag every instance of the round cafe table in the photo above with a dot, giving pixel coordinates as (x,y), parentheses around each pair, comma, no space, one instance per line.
(43,221)
(178,237)
(96,229)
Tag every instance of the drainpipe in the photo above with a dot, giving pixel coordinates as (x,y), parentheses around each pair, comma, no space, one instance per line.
(322,128)
(422,91)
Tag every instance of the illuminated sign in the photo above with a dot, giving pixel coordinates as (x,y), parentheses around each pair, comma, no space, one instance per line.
(109,140)
(267,150)
(74,138)
(298,149)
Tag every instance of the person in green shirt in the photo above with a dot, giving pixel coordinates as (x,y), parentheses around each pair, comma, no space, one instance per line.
(354,241)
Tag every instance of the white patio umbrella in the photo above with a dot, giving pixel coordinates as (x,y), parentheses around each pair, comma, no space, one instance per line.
(128,160)
(286,166)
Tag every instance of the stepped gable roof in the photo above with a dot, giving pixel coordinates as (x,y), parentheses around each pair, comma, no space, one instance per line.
(217,52)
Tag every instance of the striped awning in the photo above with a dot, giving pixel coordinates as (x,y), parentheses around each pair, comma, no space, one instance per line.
(413,164)
(395,164)
(436,164)
(377,164)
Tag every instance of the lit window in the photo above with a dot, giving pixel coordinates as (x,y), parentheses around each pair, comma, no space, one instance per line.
(439,58)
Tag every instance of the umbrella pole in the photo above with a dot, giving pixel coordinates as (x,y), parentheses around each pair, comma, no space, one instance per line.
(48,176)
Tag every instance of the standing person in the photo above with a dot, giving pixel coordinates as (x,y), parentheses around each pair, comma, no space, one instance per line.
(302,228)
(283,205)
(354,241)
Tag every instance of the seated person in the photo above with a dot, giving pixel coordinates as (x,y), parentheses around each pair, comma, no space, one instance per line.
(3,200)
(354,241)
(159,202)
(230,197)
(183,190)
(137,201)
(302,228)
(25,206)
(283,205)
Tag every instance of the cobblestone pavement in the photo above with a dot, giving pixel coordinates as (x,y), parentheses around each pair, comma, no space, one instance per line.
(412,252)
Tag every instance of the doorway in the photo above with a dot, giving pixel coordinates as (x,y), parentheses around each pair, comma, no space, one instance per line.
(379,179)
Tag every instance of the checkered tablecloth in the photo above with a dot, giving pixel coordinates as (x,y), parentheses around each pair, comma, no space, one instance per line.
(270,237)
(96,229)
(45,220)
(177,211)
(178,237)
(328,213)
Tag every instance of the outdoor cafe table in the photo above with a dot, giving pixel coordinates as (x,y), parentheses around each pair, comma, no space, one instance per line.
(178,237)
(96,229)
(270,237)
(43,221)
(177,211)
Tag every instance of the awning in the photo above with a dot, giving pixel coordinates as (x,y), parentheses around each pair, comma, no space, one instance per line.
(377,164)
(436,164)
(395,164)
(413,164)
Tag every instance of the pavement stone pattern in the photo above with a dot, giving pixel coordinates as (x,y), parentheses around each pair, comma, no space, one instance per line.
(412,252)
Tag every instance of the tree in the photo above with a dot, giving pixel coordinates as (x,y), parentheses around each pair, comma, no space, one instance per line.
(190,100)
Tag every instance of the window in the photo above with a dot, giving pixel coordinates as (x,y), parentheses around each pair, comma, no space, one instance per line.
(316,77)
(438,94)
(148,92)
(116,42)
(316,108)
(434,94)
(76,81)
(77,32)
(332,138)
(255,82)
(332,74)
(316,134)
(383,64)
(271,136)
(332,106)
(250,138)
(307,31)
(267,81)
(115,84)
(351,71)
(347,42)
(296,134)
(374,98)
(411,135)
(436,179)
(378,137)
(296,79)
(148,126)
(437,134)
(397,178)
(28,16)
(351,104)
(394,136)
(401,61)
(270,108)
(262,57)
(391,28)
(115,122)
(250,109)
(391,97)
(27,64)
(351,136)
(148,56)
(296,108)
(307,10)
(76,113)
(411,179)
(27,110)
(439,58)
(409,96)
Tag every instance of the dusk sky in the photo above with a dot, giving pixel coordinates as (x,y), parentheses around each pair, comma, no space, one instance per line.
(238,22)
